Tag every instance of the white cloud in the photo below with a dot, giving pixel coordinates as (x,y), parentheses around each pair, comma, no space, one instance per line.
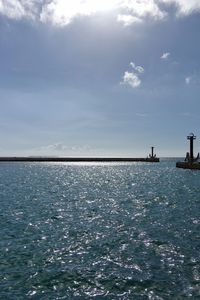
(184,7)
(132,79)
(143,8)
(132,64)
(165,55)
(139,69)
(188,80)
(18,9)
(128,20)
(62,12)
(12,9)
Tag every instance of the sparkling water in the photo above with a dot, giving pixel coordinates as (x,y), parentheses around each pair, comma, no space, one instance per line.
(102,231)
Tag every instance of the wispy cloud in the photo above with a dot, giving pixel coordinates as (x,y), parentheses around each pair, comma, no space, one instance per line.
(188,80)
(185,114)
(139,69)
(165,55)
(63,12)
(141,115)
(58,149)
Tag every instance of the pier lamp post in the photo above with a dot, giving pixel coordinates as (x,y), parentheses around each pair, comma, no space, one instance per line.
(191,137)
(152,154)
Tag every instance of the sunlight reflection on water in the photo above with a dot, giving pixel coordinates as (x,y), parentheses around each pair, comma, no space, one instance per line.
(82,230)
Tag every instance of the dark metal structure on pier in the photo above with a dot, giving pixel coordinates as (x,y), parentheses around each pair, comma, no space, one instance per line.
(190,162)
(190,156)
(152,155)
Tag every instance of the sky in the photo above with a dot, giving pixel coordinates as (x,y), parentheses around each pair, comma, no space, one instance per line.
(99,77)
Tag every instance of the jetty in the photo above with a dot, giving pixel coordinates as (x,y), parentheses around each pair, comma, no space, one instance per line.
(190,161)
(151,158)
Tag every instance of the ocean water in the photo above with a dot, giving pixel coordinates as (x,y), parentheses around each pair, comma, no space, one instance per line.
(99,231)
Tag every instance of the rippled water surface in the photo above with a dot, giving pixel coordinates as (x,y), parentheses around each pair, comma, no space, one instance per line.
(103,231)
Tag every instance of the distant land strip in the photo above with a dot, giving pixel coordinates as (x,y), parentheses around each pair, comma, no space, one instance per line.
(77,159)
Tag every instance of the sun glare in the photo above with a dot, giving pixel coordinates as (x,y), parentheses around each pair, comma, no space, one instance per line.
(61,12)
(99,5)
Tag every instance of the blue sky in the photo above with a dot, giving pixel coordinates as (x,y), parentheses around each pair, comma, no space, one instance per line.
(86,77)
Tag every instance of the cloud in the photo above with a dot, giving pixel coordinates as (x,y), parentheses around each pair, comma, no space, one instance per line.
(52,148)
(188,80)
(12,9)
(128,20)
(139,69)
(132,79)
(58,12)
(142,115)
(63,12)
(16,9)
(165,55)
(144,8)
(184,7)
(58,149)
(185,114)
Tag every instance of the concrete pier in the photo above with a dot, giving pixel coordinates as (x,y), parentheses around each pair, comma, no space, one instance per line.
(78,159)
(186,165)
(190,162)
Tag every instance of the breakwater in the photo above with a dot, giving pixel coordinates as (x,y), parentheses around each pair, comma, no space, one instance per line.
(188,165)
(78,159)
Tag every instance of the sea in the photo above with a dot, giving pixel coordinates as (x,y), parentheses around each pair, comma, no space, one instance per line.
(99,231)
